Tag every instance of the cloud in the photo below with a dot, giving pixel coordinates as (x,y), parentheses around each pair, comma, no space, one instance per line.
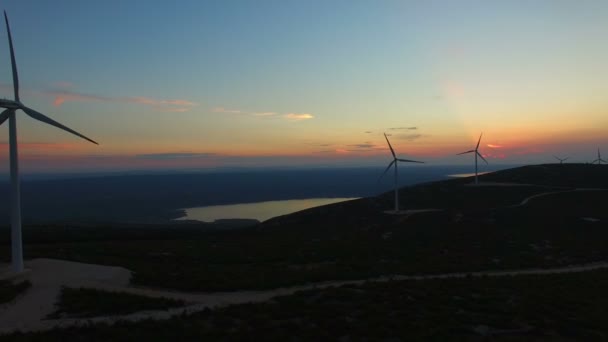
(174,155)
(402,128)
(61,94)
(493,146)
(159,103)
(366,145)
(298,117)
(288,116)
(409,137)
(65,96)
(319,144)
(368,132)
(43,146)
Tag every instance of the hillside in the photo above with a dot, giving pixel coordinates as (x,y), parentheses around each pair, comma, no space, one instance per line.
(432,275)
(476,228)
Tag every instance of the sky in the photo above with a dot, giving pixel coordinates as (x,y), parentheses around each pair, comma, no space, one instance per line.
(260,83)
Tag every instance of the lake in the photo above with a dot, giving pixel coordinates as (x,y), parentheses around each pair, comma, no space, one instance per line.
(260,211)
(472,174)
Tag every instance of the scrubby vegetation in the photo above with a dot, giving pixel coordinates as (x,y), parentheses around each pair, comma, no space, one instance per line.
(83,302)
(10,290)
(564,307)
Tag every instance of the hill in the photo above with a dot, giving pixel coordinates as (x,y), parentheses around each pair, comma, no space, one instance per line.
(529,218)
(476,228)
(155,198)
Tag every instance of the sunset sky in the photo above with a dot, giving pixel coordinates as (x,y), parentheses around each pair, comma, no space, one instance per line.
(196,84)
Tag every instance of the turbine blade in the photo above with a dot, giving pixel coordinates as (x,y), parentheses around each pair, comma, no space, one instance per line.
(556,157)
(480,156)
(478,141)
(410,161)
(41,117)
(389,145)
(386,170)
(13,62)
(471,151)
(5,115)
(565,159)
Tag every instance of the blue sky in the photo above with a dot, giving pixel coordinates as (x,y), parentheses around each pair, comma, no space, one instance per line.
(318,81)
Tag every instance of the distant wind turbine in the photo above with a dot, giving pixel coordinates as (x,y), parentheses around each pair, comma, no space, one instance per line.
(476,151)
(599,159)
(561,160)
(10,113)
(395,162)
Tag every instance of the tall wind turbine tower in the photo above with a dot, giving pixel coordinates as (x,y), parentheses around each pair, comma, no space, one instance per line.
(599,159)
(10,113)
(395,162)
(477,154)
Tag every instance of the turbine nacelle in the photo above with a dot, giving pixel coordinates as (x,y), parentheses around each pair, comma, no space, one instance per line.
(395,159)
(10,104)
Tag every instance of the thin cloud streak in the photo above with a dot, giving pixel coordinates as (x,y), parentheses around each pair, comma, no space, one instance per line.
(173,105)
(42,146)
(403,128)
(63,95)
(298,117)
(288,116)
(409,137)
(174,155)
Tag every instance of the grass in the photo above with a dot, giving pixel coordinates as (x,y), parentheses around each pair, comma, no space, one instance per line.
(84,302)
(566,307)
(10,290)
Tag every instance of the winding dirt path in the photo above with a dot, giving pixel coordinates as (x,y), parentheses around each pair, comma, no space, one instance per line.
(29,311)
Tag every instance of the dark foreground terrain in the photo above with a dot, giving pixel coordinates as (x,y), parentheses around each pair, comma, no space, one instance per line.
(524,308)
(555,215)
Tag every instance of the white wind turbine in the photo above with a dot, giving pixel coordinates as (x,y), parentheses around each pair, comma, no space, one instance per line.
(476,151)
(561,160)
(10,113)
(599,159)
(395,162)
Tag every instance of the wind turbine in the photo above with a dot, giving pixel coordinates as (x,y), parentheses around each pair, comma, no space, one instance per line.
(476,151)
(10,113)
(561,160)
(395,162)
(599,159)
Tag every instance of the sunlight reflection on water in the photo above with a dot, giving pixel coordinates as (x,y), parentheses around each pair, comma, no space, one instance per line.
(463,175)
(261,211)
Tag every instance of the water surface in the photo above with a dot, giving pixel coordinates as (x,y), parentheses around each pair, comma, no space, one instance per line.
(260,211)
(463,175)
